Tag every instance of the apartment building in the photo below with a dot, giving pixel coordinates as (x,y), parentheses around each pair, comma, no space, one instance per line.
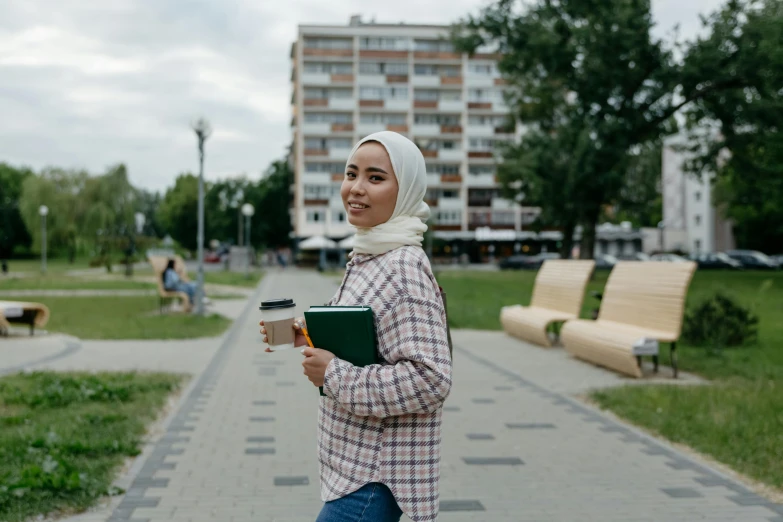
(350,81)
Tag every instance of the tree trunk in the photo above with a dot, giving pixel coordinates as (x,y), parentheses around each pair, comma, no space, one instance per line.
(587,248)
(568,240)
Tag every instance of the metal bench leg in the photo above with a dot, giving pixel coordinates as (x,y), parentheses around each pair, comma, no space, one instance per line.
(673,353)
(655,363)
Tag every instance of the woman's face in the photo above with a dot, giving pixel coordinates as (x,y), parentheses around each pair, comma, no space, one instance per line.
(369,189)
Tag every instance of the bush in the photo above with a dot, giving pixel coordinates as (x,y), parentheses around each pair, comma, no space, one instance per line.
(718,322)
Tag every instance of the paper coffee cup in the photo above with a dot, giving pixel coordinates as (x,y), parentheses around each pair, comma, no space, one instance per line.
(278,317)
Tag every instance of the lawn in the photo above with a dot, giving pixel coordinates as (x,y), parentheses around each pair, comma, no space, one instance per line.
(115,317)
(64,282)
(738,420)
(64,436)
(231,278)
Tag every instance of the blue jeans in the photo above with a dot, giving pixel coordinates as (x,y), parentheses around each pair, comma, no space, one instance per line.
(189,288)
(372,502)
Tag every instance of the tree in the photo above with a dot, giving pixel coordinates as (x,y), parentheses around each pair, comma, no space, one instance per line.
(13,232)
(58,189)
(591,66)
(178,212)
(743,143)
(273,197)
(640,201)
(222,203)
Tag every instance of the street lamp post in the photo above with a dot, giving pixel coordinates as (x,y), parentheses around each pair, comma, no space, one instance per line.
(43,210)
(247,210)
(202,129)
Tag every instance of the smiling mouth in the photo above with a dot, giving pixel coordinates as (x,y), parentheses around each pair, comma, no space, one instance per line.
(357,206)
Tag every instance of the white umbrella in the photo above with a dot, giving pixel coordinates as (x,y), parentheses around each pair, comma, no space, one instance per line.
(346,243)
(317,243)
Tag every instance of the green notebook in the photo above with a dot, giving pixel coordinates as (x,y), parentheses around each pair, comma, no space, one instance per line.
(346,331)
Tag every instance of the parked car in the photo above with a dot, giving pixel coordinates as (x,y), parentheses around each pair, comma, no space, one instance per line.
(717,261)
(523,262)
(605,262)
(753,259)
(670,258)
(638,256)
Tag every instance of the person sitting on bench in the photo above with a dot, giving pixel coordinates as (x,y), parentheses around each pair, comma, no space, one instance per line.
(173,283)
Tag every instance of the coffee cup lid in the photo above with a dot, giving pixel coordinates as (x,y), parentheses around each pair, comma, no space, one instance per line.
(273,304)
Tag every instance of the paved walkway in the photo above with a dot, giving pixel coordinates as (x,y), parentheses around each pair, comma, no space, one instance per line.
(517,446)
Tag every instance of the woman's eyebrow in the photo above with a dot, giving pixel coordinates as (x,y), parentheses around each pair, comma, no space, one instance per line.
(376,169)
(352,166)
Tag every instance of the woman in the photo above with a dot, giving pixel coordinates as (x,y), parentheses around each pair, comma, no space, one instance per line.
(172,282)
(379,428)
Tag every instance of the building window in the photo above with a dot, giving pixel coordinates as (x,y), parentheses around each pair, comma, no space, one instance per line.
(697,245)
(328,43)
(436,168)
(449,217)
(482,69)
(388,119)
(315,216)
(327,143)
(493,121)
(429,144)
(328,68)
(434,46)
(369,68)
(384,44)
(436,119)
(331,168)
(328,117)
(697,219)
(383,93)
(477,170)
(311,93)
(341,217)
(697,195)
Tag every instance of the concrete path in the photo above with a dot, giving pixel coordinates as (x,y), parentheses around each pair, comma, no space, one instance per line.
(517,446)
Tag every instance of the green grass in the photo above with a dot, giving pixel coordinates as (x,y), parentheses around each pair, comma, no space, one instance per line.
(231,278)
(134,317)
(63,437)
(738,420)
(64,282)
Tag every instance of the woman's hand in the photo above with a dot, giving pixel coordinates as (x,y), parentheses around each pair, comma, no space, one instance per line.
(315,363)
(299,338)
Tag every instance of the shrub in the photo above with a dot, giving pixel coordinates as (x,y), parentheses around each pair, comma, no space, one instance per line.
(719,322)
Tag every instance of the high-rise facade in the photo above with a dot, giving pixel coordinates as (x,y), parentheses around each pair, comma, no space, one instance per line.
(350,81)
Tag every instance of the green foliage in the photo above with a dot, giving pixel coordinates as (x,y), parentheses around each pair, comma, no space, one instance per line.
(744,144)
(63,436)
(178,212)
(720,321)
(13,232)
(272,218)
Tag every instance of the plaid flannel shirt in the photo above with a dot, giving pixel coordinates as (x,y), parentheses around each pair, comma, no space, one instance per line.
(382,423)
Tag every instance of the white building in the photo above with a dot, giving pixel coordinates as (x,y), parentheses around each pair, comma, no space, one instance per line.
(350,81)
(691,222)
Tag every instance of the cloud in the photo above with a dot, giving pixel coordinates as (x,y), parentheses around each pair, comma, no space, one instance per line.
(90,83)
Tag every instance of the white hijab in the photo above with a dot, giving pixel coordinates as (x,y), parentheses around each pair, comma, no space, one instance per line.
(406,225)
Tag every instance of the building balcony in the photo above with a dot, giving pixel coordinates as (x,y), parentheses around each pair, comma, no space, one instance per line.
(309,202)
(316,102)
(426,129)
(327,52)
(428,153)
(339,154)
(342,103)
(337,176)
(451,80)
(451,105)
(383,54)
(451,228)
(480,105)
(426,81)
(426,55)
(425,104)
(450,178)
(341,78)
(316,79)
(316,128)
(451,154)
(480,131)
(372,80)
(481,180)
(451,129)
(500,81)
(396,78)
(486,154)
(402,129)
(342,127)
(316,152)
(449,204)
(368,128)
(371,103)
(397,105)
(480,81)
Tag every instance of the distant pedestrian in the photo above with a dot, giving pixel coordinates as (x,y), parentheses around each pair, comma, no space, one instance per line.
(173,282)
(379,426)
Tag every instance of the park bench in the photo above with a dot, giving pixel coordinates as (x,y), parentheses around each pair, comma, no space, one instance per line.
(167,296)
(558,293)
(642,305)
(31,314)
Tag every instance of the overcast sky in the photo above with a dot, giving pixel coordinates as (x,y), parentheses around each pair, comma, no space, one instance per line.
(90,83)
